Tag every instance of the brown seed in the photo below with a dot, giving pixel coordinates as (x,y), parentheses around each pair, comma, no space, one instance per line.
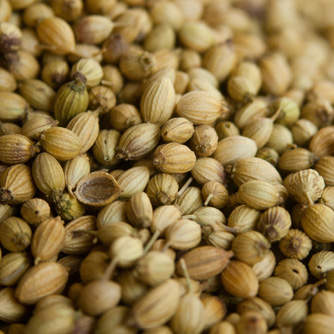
(321,263)
(303,130)
(174,158)
(258,305)
(125,251)
(36,124)
(239,280)
(16,184)
(164,217)
(71,100)
(214,310)
(218,238)
(157,101)
(274,223)
(38,94)
(177,130)
(325,167)
(244,218)
(61,143)
(275,291)
(251,322)
(269,155)
(102,98)
(154,268)
(226,129)
(259,195)
(280,139)
(208,169)
(23,66)
(48,175)
(42,280)
(292,313)
(97,189)
(250,247)
(93,29)
(137,64)
(321,143)
(322,302)
(16,149)
(292,271)
(190,200)
(55,73)
(234,148)
(112,319)
(15,234)
(199,107)
(139,210)
(74,170)
(89,71)
(276,74)
(132,288)
(123,116)
(48,239)
(196,36)
(11,309)
(253,169)
(10,36)
(305,186)
(104,148)
(319,112)
(318,222)
(189,316)
(68,12)
(86,127)
(318,323)
(60,318)
(220,60)
(157,306)
(68,207)
(12,267)
(99,296)
(112,213)
(296,160)
(184,235)
(94,266)
(114,46)
(295,245)
(224,327)
(56,33)
(133,180)
(138,141)
(327,197)
(215,194)
(205,262)
(204,140)
(265,268)
(208,216)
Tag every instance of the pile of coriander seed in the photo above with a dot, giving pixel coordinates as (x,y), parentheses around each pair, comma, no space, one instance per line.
(166,167)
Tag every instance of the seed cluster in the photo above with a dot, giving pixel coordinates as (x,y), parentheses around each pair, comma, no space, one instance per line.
(166,167)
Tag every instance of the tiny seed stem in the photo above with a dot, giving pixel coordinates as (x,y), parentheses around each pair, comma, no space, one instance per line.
(110,269)
(166,246)
(192,217)
(185,186)
(107,83)
(148,246)
(309,199)
(321,282)
(186,274)
(276,114)
(208,199)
